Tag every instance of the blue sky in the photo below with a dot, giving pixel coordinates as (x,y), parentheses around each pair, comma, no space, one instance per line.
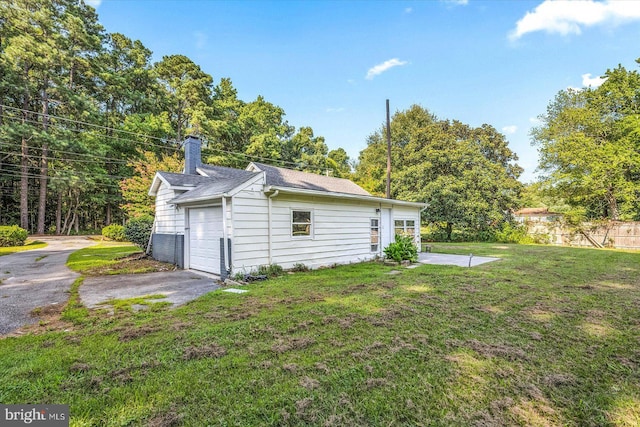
(332,64)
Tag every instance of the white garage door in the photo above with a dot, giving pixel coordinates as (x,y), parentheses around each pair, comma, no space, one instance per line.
(205,232)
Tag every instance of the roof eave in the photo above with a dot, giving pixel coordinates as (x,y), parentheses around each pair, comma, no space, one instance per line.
(302,191)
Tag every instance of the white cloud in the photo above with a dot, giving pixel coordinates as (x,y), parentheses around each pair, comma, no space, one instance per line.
(335,110)
(408,10)
(201,39)
(93,3)
(534,121)
(381,68)
(594,82)
(510,130)
(569,17)
(457,2)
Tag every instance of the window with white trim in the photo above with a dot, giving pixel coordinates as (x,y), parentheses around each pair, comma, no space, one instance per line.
(375,234)
(405,226)
(301,223)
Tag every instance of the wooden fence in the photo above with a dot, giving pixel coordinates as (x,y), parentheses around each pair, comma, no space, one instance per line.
(617,234)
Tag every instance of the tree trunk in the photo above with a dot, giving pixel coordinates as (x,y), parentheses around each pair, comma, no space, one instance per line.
(24,168)
(44,163)
(59,213)
(109,213)
(612,205)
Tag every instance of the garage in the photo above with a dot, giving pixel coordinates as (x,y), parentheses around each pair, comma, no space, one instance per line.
(205,232)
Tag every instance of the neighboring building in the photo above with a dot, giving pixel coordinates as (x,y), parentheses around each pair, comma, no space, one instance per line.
(224,220)
(536,215)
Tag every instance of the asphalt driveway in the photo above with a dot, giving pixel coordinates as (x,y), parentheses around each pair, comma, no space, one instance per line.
(178,287)
(36,278)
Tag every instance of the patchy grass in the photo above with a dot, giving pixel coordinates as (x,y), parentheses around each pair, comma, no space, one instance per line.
(547,336)
(131,304)
(110,258)
(27,247)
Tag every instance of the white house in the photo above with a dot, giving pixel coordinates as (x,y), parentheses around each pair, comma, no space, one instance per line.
(224,221)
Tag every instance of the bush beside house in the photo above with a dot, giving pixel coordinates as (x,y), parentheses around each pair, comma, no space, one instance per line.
(138,231)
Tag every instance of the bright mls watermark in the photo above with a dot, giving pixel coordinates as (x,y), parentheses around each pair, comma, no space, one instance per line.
(35,415)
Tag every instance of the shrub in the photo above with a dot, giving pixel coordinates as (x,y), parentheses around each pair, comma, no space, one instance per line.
(403,249)
(114,232)
(273,270)
(12,235)
(138,231)
(513,234)
(299,267)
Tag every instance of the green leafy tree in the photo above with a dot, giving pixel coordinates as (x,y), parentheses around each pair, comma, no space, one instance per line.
(187,94)
(468,176)
(137,202)
(589,147)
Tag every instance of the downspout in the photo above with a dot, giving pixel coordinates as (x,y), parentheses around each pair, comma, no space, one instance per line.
(153,230)
(269,227)
(224,235)
(420,226)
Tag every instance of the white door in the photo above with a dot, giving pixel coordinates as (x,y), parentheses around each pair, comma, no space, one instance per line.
(205,232)
(386,228)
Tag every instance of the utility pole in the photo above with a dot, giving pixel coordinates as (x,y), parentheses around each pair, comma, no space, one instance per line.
(388,153)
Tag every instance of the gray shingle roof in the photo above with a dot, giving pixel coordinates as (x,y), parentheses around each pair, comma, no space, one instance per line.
(208,190)
(280,177)
(219,180)
(182,180)
(221,172)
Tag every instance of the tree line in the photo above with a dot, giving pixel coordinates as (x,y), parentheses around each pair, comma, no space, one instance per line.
(80,109)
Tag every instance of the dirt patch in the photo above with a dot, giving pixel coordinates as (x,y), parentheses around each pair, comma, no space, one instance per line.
(50,310)
(322,368)
(495,350)
(132,333)
(559,380)
(167,419)
(123,375)
(290,367)
(79,367)
(399,344)
(302,326)
(303,406)
(207,351)
(136,263)
(309,383)
(293,344)
(376,382)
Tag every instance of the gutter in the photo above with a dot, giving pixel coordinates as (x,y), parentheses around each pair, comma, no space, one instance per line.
(225,244)
(318,193)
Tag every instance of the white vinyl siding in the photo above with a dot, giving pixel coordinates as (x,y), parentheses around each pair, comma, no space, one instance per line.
(341,231)
(168,219)
(249,229)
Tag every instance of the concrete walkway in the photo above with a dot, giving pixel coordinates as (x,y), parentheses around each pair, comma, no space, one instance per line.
(459,260)
(178,287)
(36,278)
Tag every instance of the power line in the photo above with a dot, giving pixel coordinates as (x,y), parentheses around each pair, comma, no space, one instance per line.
(164,140)
(61,178)
(65,159)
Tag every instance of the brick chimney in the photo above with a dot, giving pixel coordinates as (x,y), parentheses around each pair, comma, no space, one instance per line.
(192,154)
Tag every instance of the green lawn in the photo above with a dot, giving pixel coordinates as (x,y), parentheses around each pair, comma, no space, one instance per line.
(98,258)
(546,336)
(27,247)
